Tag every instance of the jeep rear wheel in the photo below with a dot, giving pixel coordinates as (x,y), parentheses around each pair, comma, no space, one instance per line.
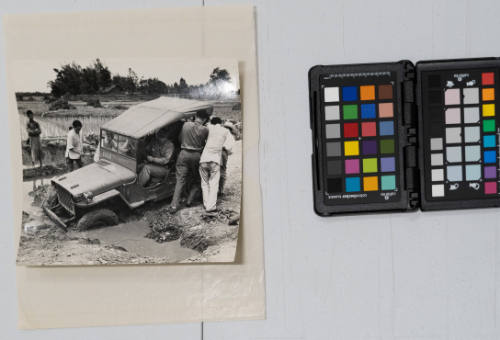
(97,218)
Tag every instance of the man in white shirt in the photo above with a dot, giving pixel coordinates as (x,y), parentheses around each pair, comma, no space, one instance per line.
(74,146)
(218,138)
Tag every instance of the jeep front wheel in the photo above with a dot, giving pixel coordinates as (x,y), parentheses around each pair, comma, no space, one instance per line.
(97,218)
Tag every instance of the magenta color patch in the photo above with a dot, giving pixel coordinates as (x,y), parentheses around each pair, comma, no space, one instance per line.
(352,166)
(490,187)
(490,172)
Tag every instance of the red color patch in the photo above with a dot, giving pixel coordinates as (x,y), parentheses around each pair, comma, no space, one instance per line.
(350,130)
(368,129)
(488,78)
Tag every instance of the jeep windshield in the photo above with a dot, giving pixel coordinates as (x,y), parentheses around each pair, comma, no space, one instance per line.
(123,145)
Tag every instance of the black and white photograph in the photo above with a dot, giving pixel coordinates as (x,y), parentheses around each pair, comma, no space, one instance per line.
(129,161)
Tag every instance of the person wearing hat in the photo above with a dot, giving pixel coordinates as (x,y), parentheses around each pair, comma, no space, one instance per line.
(158,158)
(34,132)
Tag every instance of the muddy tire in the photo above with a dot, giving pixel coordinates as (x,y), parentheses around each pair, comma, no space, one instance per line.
(97,218)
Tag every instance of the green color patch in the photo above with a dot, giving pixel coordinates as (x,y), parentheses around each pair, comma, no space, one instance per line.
(350,111)
(370,165)
(387,146)
(489,125)
(388,182)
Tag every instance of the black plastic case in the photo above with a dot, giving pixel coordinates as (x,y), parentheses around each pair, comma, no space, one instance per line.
(411,139)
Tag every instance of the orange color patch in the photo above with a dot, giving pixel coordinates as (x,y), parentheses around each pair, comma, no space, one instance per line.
(367,92)
(488,94)
(370,183)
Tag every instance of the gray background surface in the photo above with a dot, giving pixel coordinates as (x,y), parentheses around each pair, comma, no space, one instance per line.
(425,276)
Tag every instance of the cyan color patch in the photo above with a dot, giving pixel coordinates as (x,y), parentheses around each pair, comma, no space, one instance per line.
(388,182)
(490,156)
(352,184)
(386,128)
(368,111)
(489,141)
(349,93)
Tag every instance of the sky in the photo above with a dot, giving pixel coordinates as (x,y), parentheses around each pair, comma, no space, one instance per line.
(33,75)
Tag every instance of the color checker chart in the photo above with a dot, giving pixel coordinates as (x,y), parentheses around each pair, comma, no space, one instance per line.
(460,134)
(360,144)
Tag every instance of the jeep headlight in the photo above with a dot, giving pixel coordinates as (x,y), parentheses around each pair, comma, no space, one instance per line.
(88,196)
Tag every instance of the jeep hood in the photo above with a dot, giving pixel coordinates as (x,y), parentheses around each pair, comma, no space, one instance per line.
(97,178)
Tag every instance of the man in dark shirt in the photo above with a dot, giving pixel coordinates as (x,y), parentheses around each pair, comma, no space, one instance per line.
(34,131)
(193,137)
(159,154)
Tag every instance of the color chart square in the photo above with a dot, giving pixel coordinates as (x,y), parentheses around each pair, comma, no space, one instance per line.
(351,148)
(472,172)
(471,95)
(368,111)
(334,184)
(388,182)
(488,110)
(352,166)
(385,91)
(352,184)
(472,134)
(368,129)
(454,173)
(472,153)
(350,130)
(386,128)
(349,93)
(437,175)
(332,112)
(488,78)
(471,114)
(452,116)
(436,159)
(453,135)
(452,97)
(387,146)
(369,147)
(489,141)
(333,149)
(438,190)
(350,111)
(370,165)
(332,131)
(370,183)
(436,144)
(490,188)
(331,94)
(490,172)
(489,125)
(488,94)
(385,110)
(334,167)
(387,164)
(490,156)
(454,154)
(367,92)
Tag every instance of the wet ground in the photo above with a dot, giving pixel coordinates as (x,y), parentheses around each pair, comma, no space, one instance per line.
(203,238)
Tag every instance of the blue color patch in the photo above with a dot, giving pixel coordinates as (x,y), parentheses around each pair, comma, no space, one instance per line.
(368,111)
(490,156)
(349,93)
(352,184)
(386,128)
(489,141)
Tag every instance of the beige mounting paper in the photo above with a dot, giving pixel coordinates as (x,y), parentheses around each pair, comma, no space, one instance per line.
(53,297)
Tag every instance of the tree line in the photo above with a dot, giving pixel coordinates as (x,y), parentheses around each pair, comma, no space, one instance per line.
(73,79)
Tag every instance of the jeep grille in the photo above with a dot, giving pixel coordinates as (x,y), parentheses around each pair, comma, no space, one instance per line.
(65,199)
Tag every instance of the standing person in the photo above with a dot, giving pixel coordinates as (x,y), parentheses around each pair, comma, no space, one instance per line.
(34,132)
(74,146)
(193,137)
(158,158)
(226,151)
(210,163)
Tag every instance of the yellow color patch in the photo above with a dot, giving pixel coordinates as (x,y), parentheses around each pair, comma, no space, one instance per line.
(488,110)
(367,92)
(351,148)
(488,94)
(370,183)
